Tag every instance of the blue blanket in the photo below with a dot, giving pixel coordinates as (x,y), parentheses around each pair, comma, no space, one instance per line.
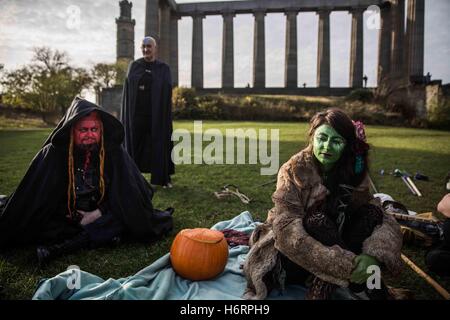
(158,281)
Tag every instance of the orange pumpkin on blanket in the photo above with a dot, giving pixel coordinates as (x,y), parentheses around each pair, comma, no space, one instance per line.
(199,254)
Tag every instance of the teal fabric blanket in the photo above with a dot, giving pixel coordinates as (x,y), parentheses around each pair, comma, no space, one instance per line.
(158,281)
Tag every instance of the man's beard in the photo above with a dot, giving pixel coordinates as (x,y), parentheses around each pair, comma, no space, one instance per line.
(92,147)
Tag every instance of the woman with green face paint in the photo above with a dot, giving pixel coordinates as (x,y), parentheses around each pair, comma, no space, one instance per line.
(328,146)
(325,230)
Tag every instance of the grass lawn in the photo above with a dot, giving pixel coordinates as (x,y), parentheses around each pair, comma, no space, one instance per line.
(192,197)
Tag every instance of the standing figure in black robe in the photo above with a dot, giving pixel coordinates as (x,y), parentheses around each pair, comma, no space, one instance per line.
(81,189)
(146,114)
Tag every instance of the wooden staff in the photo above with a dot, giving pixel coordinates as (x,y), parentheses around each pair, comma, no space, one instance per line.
(401,216)
(430,280)
(413,185)
(444,293)
(372,184)
(406,181)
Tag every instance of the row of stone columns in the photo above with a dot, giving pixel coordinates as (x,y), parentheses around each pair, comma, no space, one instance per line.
(393,59)
(323,56)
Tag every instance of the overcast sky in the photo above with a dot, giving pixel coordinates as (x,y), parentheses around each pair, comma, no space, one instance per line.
(25,24)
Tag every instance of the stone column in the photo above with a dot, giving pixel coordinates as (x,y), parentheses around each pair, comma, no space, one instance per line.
(228,51)
(356,49)
(415,36)
(174,48)
(398,37)
(384,43)
(164,33)
(197,51)
(152,18)
(125,33)
(259,51)
(323,51)
(290,70)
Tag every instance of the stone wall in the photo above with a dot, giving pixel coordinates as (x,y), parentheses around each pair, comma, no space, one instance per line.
(111,100)
(438,105)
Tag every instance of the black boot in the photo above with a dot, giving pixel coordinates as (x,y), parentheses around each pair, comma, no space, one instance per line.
(47,253)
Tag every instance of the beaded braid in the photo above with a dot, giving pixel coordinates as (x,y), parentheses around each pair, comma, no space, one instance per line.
(71,195)
(102,167)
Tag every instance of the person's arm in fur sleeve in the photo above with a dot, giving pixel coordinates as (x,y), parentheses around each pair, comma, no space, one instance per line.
(385,244)
(332,264)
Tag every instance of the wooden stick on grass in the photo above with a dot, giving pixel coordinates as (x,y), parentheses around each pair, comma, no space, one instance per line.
(372,185)
(430,280)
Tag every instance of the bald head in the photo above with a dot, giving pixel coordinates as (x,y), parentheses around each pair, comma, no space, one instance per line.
(149,40)
(148,48)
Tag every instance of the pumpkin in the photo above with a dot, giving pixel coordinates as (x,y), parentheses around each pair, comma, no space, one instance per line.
(199,254)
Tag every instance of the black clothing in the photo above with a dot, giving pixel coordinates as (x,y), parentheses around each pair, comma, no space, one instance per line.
(142,142)
(86,181)
(147,118)
(144,93)
(37,211)
(438,259)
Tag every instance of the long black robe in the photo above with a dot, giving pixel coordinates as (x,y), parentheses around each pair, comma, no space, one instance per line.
(37,210)
(159,158)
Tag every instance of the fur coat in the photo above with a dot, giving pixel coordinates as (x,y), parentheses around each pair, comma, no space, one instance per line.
(300,187)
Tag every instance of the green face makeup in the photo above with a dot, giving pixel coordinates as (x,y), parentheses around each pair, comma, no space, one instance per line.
(328,146)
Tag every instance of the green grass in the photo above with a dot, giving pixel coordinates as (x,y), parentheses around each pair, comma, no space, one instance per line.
(192,197)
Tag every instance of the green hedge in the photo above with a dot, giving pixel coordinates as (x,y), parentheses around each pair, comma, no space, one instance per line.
(187,104)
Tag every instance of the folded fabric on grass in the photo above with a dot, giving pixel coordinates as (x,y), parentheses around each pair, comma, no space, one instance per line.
(158,281)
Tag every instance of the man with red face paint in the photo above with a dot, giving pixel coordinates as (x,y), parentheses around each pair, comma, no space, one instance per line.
(87,133)
(81,190)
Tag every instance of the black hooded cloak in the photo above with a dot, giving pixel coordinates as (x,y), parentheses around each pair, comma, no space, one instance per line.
(156,159)
(37,210)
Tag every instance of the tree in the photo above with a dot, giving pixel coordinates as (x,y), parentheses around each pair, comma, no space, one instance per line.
(103,76)
(48,84)
(106,75)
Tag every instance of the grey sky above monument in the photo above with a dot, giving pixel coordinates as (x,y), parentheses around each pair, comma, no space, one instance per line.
(25,24)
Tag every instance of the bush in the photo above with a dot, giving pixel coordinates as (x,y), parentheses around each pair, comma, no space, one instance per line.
(439,114)
(363,95)
(187,105)
(184,101)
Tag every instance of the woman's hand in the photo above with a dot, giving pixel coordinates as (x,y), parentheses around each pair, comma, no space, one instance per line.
(360,274)
(89,216)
